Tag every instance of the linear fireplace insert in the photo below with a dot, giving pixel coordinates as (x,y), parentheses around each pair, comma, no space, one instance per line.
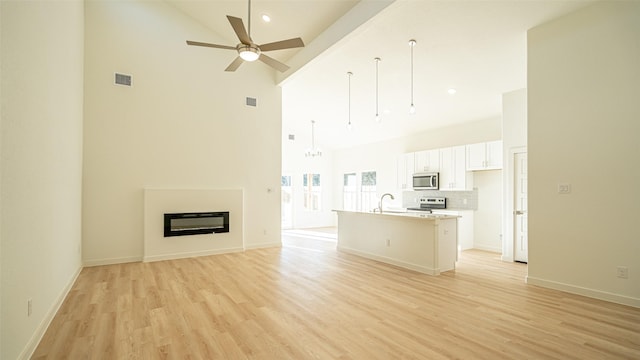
(179,224)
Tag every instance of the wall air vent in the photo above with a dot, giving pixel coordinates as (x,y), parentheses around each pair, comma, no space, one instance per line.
(251,101)
(123,79)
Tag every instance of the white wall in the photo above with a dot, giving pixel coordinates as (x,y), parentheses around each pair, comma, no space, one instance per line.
(295,164)
(183,125)
(583,111)
(41,164)
(487,220)
(514,139)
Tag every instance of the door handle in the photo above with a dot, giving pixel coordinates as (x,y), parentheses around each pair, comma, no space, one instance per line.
(519,212)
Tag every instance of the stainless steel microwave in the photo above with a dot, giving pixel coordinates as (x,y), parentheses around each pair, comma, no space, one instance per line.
(425,181)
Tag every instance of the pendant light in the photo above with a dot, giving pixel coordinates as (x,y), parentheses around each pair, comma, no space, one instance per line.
(412,109)
(313,151)
(349,125)
(378,118)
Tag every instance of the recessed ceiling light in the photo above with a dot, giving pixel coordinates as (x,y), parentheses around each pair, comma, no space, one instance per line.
(451,91)
(266,18)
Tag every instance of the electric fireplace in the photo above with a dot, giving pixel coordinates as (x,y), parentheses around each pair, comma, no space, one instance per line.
(193,223)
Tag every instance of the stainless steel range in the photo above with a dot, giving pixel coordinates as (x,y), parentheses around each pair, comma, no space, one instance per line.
(431,203)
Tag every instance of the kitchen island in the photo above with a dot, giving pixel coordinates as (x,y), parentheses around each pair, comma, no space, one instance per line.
(426,243)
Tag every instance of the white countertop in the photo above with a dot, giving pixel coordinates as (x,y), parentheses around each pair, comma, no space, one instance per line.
(407,214)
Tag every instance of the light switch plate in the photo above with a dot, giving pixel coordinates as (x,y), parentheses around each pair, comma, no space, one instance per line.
(564,188)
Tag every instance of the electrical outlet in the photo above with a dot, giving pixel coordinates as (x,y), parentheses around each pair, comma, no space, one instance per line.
(29,307)
(623,272)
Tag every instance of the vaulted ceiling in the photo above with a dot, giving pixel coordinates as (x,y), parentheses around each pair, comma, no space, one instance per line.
(476,47)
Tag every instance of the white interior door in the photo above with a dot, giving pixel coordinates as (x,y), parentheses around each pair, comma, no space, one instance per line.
(520,252)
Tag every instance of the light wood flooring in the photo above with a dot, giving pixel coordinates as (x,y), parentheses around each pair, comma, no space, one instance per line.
(307,301)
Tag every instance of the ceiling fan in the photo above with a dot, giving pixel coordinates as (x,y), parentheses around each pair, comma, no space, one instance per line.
(250,51)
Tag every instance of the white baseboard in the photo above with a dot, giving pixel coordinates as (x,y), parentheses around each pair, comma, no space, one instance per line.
(111,261)
(263,245)
(495,249)
(191,254)
(31,346)
(596,294)
(414,267)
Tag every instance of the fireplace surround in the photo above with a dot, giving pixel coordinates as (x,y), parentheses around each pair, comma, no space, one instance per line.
(161,201)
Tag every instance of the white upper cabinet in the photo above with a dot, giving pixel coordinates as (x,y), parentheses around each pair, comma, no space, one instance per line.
(484,156)
(405,166)
(453,172)
(427,161)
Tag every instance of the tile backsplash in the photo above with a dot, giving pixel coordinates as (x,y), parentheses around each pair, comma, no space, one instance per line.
(456,200)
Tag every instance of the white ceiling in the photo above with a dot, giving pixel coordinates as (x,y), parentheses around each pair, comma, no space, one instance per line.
(477,47)
(289,19)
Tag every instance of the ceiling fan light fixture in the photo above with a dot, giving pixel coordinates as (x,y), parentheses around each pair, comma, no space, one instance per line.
(248,52)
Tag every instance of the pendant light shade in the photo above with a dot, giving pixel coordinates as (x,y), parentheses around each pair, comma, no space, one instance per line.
(349,125)
(378,118)
(412,108)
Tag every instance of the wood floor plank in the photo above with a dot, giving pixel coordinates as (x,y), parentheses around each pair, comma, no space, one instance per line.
(307,301)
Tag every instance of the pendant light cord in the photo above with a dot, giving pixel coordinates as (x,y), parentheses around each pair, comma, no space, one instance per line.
(349,73)
(377,61)
(412,45)
(412,108)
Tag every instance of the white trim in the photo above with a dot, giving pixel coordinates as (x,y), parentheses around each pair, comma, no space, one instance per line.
(263,245)
(493,249)
(508,240)
(41,329)
(384,259)
(506,258)
(190,254)
(111,261)
(578,290)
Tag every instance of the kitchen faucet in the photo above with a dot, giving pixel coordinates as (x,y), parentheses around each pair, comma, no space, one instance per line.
(382,198)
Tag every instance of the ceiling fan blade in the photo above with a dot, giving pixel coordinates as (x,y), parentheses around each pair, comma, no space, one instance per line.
(197,43)
(284,44)
(235,64)
(273,63)
(238,27)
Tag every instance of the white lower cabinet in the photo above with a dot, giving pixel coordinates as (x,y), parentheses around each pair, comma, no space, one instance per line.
(465,227)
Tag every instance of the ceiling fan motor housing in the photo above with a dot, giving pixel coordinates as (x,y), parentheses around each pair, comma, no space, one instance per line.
(249,52)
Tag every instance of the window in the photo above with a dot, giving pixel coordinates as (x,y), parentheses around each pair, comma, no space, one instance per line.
(350,192)
(312,192)
(368,196)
